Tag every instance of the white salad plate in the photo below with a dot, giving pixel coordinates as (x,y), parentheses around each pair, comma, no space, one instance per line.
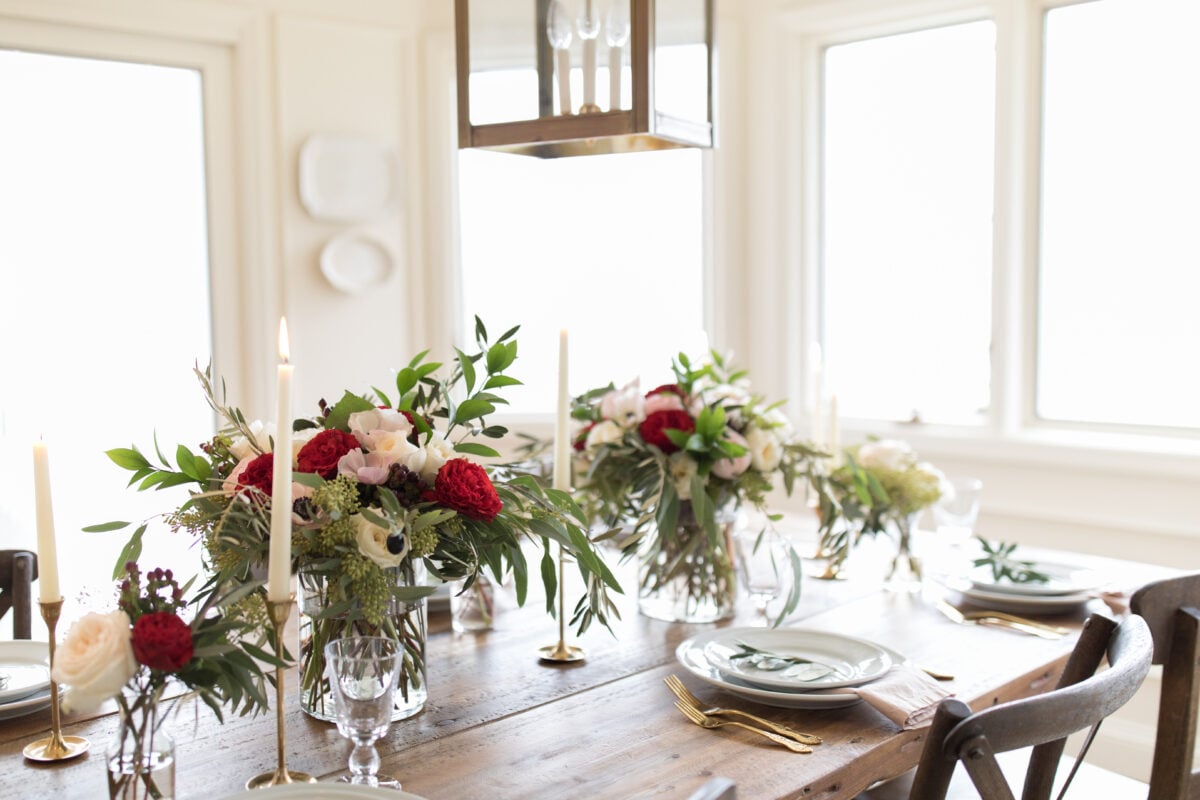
(321,791)
(830,661)
(1064,579)
(26,666)
(691,656)
(1024,604)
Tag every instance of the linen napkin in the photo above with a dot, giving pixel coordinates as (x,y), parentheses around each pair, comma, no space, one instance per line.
(905,695)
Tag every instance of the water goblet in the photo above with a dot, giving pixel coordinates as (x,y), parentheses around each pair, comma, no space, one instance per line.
(363,673)
(761,557)
(955,515)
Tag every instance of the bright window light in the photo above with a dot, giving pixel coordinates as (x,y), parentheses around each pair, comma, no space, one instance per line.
(907,223)
(1118,334)
(105,305)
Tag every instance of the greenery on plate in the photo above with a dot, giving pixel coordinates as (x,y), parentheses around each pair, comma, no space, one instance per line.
(998,557)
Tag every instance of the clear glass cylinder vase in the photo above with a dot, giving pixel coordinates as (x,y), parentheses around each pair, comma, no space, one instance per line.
(906,573)
(686,573)
(140,759)
(326,614)
(474,608)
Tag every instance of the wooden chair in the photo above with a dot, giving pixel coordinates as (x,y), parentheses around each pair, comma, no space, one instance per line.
(1083,698)
(18,570)
(1171,608)
(715,789)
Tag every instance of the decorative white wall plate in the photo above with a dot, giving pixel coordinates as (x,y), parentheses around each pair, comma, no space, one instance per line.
(356,261)
(345,177)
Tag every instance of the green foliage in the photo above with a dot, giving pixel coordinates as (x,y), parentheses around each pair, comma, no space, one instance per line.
(999,559)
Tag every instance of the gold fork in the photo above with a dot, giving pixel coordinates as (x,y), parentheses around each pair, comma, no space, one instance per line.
(708,722)
(681,691)
(1014,618)
(954,615)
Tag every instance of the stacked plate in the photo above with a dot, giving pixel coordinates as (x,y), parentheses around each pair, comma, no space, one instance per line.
(1068,587)
(24,678)
(323,791)
(786,667)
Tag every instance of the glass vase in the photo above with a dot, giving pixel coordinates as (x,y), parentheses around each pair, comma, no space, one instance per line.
(474,608)
(326,614)
(905,575)
(686,573)
(141,756)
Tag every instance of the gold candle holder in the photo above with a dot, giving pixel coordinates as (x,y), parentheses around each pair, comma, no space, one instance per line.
(561,652)
(279,611)
(54,747)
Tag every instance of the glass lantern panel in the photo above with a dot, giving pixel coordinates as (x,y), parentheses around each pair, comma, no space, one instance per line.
(681,59)
(503,48)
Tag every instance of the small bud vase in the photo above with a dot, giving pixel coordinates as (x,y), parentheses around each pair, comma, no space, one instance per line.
(905,575)
(141,757)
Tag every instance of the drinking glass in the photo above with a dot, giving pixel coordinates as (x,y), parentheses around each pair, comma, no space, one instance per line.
(363,673)
(955,515)
(762,558)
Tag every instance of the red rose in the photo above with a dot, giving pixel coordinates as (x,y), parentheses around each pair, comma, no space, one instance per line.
(465,487)
(322,453)
(653,427)
(162,641)
(259,473)
(672,388)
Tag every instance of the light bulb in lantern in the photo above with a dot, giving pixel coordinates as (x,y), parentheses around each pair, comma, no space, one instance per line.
(616,34)
(588,27)
(560,32)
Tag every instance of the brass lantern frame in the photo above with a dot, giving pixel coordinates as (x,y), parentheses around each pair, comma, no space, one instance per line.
(639,128)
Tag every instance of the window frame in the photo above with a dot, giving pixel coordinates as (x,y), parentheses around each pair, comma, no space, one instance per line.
(1012,432)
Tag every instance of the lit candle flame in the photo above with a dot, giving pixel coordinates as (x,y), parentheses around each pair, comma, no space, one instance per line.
(284,350)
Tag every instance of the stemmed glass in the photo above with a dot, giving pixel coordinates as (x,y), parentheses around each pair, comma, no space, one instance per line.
(955,515)
(363,673)
(762,557)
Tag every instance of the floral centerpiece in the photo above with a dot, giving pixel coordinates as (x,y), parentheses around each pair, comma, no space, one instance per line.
(157,638)
(883,486)
(385,491)
(672,465)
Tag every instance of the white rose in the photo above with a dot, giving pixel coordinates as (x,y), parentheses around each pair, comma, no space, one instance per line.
(683,469)
(765,449)
(96,660)
(241,447)
(888,454)
(625,405)
(373,542)
(437,452)
(602,433)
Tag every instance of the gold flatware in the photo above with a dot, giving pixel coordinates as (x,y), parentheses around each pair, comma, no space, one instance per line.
(1013,618)
(709,722)
(937,676)
(954,615)
(681,691)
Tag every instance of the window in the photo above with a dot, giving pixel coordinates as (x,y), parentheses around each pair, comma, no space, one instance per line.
(609,247)
(1118,332)
(906,223)
(104,262)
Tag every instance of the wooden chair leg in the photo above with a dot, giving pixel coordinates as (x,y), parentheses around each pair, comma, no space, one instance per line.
(22,595)
(1170,774)
(936,767)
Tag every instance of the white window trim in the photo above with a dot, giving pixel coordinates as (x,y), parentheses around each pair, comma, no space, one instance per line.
(794,34)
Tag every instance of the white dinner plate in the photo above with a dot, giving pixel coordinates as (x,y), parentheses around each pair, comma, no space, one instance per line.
(690,655)
(1064,579)
(26,665)
(832,661)
(321,791)
(1024,604)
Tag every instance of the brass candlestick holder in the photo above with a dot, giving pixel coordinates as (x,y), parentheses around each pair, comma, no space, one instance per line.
(54,747)
(279,611)
(561,652)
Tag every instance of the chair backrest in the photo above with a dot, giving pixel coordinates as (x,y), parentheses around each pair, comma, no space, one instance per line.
(1082,699)
(1171,608)
(18,570)
(715,789)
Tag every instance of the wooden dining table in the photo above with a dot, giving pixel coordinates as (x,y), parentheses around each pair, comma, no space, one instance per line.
(500,723)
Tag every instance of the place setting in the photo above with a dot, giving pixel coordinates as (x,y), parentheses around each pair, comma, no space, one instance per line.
(24,678)
(796,668)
